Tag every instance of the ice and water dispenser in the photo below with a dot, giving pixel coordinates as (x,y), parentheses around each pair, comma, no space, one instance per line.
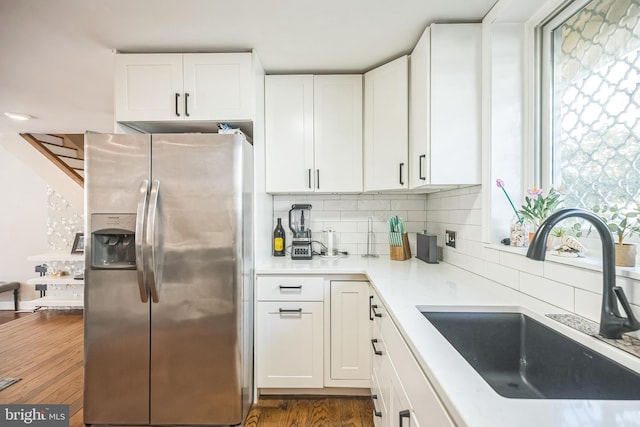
(113,241)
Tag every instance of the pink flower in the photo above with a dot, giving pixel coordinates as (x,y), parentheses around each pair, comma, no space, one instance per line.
(535,191)
(499,183)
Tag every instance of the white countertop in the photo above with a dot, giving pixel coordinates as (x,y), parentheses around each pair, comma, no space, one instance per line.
(402,285)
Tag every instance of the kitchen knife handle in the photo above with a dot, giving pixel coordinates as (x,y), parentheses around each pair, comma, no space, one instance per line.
(421,158)
(401,167)
(139,239)
(177,99)
(186,104)
(151,240)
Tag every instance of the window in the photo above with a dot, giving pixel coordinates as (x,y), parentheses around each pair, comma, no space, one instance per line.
(590,143)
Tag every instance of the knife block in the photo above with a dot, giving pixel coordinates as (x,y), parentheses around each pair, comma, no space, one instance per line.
(401,253)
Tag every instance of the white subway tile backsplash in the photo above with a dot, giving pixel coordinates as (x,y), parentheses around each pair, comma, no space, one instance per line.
(348,216)
(504,275)
(588,305)
(374,205)
(417,216)
(341,205)
(547,290)
(521,263)
(588,280)
(571,288)
(408,205)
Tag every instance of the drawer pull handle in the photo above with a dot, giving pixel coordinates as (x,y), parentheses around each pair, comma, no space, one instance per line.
(374,399)
(289,310)
(375,313)
(403,414)
(375,350)
(290,287)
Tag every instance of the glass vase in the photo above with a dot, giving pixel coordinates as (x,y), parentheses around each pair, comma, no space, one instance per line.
(519,236)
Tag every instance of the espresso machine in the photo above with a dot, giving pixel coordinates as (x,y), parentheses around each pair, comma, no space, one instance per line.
(299,221)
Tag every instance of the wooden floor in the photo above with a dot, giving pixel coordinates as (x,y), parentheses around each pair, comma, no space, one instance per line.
(45,349)
(311,412)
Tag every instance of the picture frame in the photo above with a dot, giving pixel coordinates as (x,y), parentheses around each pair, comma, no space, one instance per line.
(78,244)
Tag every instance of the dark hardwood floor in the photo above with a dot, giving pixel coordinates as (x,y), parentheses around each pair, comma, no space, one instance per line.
(311,412)
(45,349)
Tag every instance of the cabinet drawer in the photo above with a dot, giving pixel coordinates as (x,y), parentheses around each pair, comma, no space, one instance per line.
(290,288)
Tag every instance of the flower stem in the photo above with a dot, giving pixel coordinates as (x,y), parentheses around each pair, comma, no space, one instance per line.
(520,220)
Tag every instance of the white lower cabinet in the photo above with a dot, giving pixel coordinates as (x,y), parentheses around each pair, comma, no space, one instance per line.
(350,355)
(312,332)
(289,343)
(409,398)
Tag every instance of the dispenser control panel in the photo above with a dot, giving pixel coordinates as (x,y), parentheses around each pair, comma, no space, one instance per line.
(113,241)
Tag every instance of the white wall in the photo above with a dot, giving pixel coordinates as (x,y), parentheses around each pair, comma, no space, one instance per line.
(23,221)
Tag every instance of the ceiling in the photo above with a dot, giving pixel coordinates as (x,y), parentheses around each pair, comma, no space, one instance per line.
(56,56)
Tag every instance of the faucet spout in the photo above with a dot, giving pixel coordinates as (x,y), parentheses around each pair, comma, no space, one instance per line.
(612,324)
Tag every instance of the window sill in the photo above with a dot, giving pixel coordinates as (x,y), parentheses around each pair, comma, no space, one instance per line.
(589,263)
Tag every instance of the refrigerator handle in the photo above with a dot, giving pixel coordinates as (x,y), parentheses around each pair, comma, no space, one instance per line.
(150,236)
(139,239)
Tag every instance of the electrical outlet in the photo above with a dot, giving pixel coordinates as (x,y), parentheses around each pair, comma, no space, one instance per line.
(450,238)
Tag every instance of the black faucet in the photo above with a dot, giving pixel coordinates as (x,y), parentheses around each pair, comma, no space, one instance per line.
(612,324)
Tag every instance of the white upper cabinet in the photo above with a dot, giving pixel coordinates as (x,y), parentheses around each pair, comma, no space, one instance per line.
(313,133)
(337,130)
(445,120)
(386,126)
(173,87)
(289,133)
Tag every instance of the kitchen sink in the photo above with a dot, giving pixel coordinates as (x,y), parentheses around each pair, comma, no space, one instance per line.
(520,357)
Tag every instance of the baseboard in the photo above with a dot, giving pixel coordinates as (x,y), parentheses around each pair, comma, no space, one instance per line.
(8,305)
(326,391)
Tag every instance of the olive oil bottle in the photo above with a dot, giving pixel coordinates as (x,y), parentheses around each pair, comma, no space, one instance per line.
(278,239)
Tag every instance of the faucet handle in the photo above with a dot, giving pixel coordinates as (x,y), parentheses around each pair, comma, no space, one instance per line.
(631,323)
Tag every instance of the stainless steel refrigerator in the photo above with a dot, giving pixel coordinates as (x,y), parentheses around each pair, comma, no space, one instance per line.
(168,279)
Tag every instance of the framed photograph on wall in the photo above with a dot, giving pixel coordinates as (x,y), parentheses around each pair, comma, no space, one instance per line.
(78,244)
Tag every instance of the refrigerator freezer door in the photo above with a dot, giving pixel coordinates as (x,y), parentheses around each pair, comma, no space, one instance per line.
(196,341)
(116,340)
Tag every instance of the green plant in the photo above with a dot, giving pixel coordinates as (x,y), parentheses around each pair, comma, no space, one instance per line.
(574,230)
(538,207)
(622,223)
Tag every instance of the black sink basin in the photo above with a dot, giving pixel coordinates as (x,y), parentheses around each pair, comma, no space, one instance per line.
(522,358)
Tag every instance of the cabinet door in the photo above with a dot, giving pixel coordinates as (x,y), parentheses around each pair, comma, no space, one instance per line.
(400,412)
(289,134)
(419,112)
(289,338)
(455,99)
(386,126)
(350,330)
(217,86)
(337,125)
(148,87)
